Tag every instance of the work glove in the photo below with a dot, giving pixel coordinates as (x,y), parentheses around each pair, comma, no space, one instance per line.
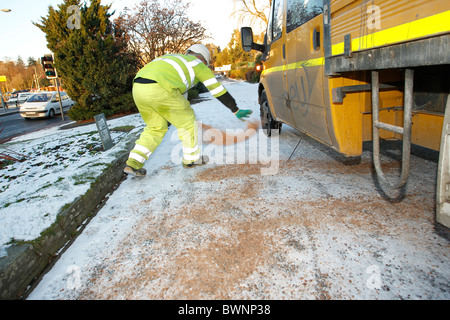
(243,114)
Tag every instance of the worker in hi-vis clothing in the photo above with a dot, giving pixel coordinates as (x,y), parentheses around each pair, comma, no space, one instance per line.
(158,91)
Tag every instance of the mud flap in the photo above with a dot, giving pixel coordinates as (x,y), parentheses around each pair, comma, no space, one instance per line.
(443,177)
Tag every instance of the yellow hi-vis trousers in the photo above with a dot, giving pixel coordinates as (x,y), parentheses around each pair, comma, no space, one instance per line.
(157,106)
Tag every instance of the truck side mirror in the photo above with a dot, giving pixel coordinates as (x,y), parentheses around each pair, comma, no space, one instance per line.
(247,41)
(247,38)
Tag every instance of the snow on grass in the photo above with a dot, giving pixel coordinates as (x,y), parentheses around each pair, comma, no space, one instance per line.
(58,166)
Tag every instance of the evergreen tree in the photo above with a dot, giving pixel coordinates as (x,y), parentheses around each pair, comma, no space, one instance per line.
(233,53)
(91,57)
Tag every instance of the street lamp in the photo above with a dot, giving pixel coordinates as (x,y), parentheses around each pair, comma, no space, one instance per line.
(1,95)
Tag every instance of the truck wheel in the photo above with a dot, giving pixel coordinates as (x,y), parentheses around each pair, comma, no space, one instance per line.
(268,124)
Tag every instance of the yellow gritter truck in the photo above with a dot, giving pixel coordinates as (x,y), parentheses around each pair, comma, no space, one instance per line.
(350,71)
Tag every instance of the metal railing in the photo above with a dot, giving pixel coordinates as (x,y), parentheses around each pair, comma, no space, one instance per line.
(405,131)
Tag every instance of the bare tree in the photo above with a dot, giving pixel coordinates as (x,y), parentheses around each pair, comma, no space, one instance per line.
(155,29)
(20,76)
(256,11)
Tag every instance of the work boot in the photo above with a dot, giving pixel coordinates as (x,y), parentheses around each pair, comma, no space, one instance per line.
(203,160)
(135,172)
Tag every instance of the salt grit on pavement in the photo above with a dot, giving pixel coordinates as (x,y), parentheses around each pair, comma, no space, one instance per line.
(249,227)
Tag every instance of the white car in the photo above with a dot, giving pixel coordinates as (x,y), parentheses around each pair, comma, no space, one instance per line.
(45,104)
(19,98)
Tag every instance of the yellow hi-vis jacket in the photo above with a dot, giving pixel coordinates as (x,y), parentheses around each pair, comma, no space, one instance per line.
(182,72)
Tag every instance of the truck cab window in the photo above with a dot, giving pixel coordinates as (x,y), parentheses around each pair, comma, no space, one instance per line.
(301,11)
(275,27)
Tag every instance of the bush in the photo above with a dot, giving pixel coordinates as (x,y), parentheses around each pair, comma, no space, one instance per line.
(248,74)
(238,74)
(123,104)
(193,93)
(253,76)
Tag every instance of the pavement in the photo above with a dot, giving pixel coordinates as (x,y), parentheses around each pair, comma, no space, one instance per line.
(318,229)
(9,110)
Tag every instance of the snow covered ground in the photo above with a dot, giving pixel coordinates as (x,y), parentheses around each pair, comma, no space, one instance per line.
(57,167)
(259,222)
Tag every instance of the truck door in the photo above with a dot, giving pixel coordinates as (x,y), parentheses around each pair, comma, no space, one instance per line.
(274,74)
(304,66)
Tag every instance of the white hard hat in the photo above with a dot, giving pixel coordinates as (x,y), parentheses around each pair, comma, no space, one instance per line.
(202,50)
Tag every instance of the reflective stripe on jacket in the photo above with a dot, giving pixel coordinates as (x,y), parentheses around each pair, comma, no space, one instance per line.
(182,72)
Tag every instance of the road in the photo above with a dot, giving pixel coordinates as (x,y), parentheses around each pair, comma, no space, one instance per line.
(14,125)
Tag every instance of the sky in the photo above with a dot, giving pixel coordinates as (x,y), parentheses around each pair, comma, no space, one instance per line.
(19,37)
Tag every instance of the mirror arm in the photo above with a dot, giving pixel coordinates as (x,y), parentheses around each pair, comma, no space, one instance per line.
(258,47)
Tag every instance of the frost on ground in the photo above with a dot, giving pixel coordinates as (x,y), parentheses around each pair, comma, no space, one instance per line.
(308,228)
(315,230)
(56,167)
(238,236)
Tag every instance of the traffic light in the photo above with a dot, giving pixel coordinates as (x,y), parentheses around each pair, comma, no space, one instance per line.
(49,69)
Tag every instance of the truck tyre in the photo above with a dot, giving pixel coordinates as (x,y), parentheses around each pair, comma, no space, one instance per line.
(268,123)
